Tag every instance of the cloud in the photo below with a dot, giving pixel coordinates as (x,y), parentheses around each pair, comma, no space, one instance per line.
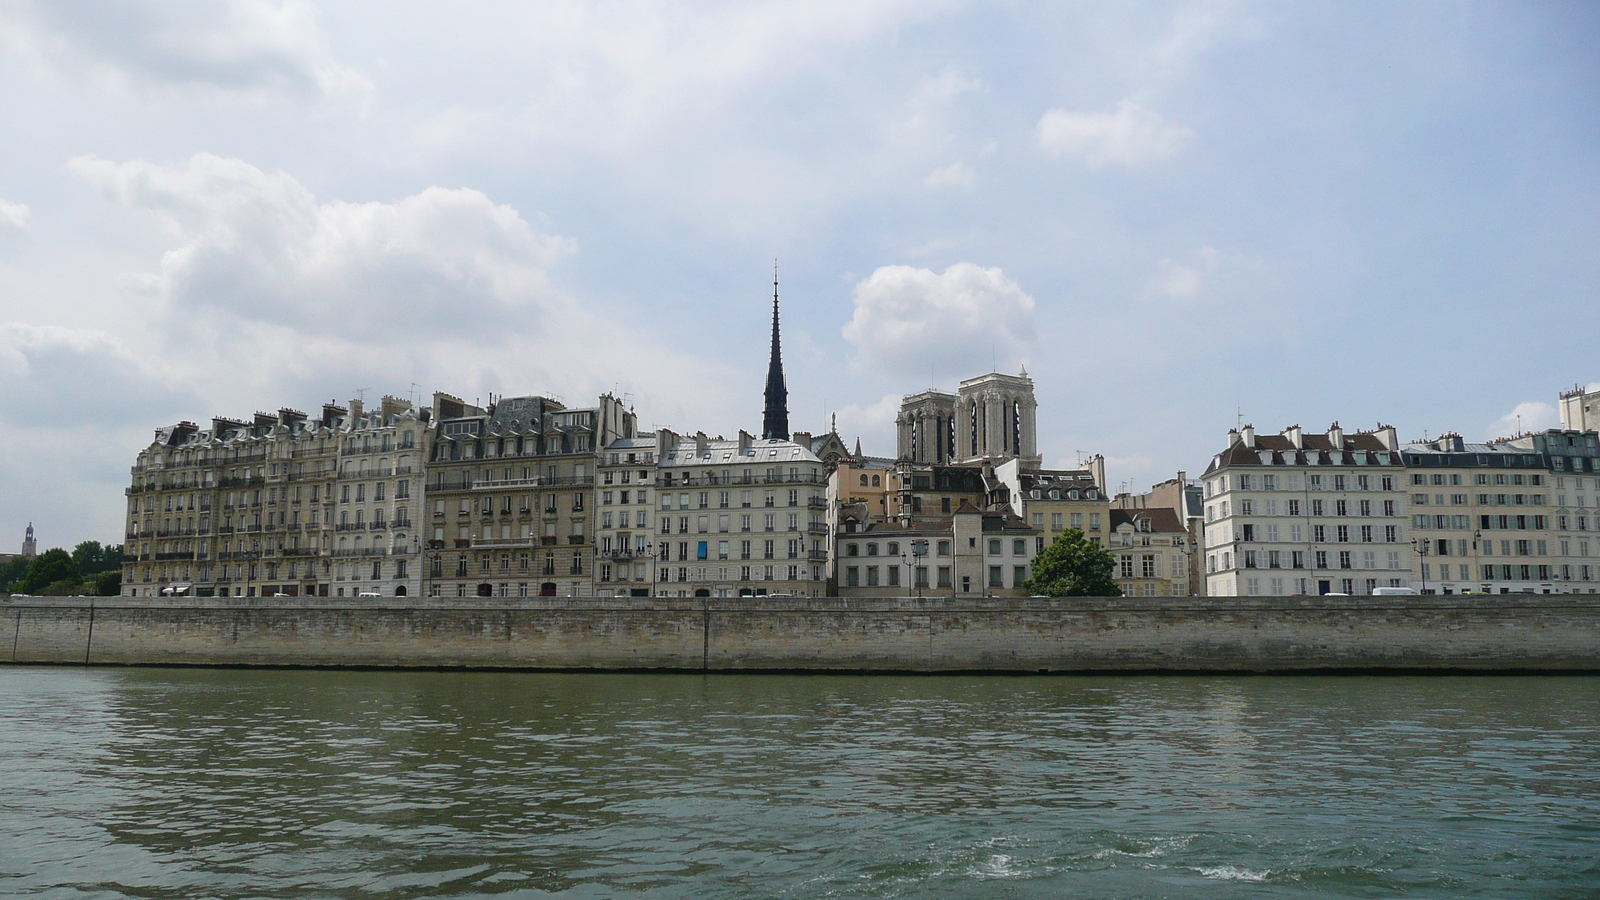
(908,320)
(1532,415)
(230,45)
(13,216)
(1130,136)
(1185,281)
(67,378)
(957,175)
(260,246)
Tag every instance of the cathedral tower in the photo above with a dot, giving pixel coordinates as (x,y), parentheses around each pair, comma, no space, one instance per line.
(29,547)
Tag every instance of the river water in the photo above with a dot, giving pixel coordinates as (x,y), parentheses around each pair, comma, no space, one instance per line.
(238,783)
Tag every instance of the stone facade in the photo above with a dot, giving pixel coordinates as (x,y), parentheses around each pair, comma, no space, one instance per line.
(1300,513)
(740,517)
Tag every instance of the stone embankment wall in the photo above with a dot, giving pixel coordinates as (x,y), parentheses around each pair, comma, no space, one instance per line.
(1543,632)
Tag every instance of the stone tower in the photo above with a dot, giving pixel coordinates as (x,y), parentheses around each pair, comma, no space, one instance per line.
(996,420)
(30,547)
(925,428)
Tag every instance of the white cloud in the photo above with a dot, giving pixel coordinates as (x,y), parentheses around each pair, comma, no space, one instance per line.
(260,246)
(231,45)
(1185,280)
(13,216)
(1532,415)
(1133,135)
(64,377)
(957,175)
(909,321)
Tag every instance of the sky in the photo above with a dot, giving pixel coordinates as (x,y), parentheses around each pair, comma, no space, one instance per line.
(1178,216)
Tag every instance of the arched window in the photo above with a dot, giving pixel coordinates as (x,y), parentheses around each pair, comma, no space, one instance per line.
(894,548)
(872,549)
(875,481)
(863,480)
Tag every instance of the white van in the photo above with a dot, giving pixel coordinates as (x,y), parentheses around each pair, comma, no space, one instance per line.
(1394,592)
(369,594)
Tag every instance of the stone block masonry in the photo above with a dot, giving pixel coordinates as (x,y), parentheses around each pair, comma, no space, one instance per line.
(1554,632)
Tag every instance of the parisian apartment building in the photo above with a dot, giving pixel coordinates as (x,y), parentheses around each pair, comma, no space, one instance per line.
(1336,513)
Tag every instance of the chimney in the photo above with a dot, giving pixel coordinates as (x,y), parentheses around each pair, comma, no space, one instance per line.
(1336,436)
(1233,436)
(702,444)
(1097,468)
(1249,436)
(666,442)
(1295,436)
(331,414)
(1391,438)
(388,406)
(355,408)
(744,442)
(291,417)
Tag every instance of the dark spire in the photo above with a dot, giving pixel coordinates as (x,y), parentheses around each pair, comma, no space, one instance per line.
(775,421)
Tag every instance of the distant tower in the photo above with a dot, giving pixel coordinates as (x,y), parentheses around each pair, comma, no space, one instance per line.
(30,548)
(775,421)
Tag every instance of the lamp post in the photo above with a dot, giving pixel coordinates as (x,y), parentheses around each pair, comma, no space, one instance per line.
(1418,545)
(919,552)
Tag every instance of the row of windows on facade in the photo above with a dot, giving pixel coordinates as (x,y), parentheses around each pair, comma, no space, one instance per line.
(524,506)
(1504,572)
(1148,566)
(1297,507)
(255,571)
(1271,481)
(494,449)
(524,561)
(1272,534)
(668,479)
(996,547)
(744,573)
(235,499)
(1483,500)
(724,550)
(891,574)
(1486,547)
(1493,523)
(1298,559)
(724,499)
(1077,521)
(724,524)
(1536,479)
(1351,586)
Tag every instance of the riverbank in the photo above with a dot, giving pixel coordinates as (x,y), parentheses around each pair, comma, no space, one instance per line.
(1553,632)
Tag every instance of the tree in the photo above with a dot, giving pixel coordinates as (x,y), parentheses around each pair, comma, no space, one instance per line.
(87,557)
(46,569)
(12,573)
(106,584)
(1074,566)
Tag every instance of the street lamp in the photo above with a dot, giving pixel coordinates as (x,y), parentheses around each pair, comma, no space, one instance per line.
(1421,566)
(919,552)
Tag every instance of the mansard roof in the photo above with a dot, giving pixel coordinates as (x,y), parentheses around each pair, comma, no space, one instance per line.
(1160,519)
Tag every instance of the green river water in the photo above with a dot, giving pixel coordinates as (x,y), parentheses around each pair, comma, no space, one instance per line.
(264,783)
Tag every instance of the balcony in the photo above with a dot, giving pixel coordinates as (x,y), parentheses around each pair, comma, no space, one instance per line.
(528,541)
(816,502)
(817,555)
(166,557)
(539,482)
(817,528)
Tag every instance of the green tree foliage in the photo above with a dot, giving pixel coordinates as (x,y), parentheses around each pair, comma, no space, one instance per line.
(46,569)
(92,559)
(12,573)
(106,584)
(1074,566)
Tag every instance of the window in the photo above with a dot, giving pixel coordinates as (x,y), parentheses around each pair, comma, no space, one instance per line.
(996,579)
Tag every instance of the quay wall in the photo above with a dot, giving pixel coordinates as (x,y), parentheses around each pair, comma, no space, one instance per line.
(1554,632)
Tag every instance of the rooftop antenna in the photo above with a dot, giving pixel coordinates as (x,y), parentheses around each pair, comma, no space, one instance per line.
(361,393)
(1238,419)
(415,393)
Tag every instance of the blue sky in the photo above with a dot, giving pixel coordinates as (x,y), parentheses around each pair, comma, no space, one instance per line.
(1168,212)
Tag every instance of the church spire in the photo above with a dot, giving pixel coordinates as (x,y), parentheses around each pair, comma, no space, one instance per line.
(775,421)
